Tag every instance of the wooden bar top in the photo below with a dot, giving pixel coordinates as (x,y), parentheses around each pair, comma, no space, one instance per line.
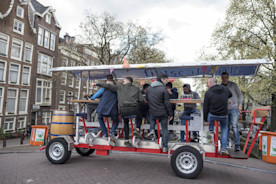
(172,101)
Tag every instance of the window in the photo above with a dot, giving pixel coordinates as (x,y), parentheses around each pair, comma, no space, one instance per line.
(21,123)
(3,70)
(14,73)
(46,39)
(4,44)
(46,118)
(9,124)
(20,12)
(11,101)
(16,50)
(44,64)
(70,80)
(73,63)
(63,78)
(62,95)
(52,42)
(18,27)
(64,62)
(43,92)
(28,53)
(26,73)
(48,18)
(40,36)
(77,83)
(1,99)
(23,101)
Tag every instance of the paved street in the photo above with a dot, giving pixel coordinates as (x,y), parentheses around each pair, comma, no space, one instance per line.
(25,164)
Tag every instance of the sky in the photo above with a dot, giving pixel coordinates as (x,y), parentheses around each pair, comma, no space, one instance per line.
(187,24)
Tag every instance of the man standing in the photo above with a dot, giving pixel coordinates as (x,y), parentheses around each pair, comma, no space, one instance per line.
(234,107)
(215,108)
(160,106)
(129,97)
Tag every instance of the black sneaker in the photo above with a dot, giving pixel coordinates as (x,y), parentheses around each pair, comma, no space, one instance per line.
(128,144)
(137,134)
(237,149)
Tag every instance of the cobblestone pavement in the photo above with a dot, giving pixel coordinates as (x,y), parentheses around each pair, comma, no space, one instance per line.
(26,164)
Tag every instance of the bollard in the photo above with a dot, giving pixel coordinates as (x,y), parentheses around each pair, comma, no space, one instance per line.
(4,140)
(22,138)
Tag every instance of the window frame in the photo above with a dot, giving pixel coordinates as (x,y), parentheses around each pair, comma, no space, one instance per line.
(18,74)
(13,128)
(44,117)
(42,95)
(19,122)
(18,42)
(16,101)
(27,99)
(2,37)
(47,39)
(22,9)
(5,72)
(64,96)
(48,18)
(29,77)
(2,101)
(63,74)
(15,29)
(40,66)
(40,36)
(71,78)
(52,42)
(31,57)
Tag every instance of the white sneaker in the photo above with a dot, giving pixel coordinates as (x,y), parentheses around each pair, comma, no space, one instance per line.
(164,149)
(151,135)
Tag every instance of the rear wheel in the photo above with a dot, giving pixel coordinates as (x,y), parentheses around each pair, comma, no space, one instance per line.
(57,151)
(187,162)
(85,151)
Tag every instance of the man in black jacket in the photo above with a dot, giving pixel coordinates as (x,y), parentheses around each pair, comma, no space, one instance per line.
(160,106)
(215,108)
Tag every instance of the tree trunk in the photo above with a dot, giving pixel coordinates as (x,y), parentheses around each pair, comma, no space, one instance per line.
(273,114)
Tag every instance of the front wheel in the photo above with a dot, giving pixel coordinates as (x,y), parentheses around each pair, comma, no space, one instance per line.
(85,151)
(187,162)
(57,151)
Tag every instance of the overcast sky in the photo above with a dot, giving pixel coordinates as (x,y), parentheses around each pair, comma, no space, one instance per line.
(187,24)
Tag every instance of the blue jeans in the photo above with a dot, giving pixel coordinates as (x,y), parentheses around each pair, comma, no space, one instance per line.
(113,128)
(223,125)
(164,124)
(233,120)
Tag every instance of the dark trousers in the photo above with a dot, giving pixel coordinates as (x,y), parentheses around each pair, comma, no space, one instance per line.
(128,112)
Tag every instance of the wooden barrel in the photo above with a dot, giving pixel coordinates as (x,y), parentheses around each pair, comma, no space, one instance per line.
(62,123)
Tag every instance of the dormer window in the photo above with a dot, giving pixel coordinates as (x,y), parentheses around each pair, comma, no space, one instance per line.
(20,12)
(48,18)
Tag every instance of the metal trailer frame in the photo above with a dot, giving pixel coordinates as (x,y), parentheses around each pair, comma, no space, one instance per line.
(186,157)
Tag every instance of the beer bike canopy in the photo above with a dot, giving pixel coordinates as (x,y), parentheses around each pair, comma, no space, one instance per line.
(173,70)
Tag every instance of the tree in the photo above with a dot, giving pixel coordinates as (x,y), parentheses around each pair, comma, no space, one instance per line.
(249,32)
(113,40)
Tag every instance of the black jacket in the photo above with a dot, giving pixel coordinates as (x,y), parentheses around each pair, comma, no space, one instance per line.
(159,100)
(174,95)
(216,101)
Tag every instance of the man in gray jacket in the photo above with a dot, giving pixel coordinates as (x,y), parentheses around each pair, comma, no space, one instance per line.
(234,107)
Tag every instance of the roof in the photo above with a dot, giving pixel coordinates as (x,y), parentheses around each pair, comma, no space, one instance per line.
(173,70)
(39,7)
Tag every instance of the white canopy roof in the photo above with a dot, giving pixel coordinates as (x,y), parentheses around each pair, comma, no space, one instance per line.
(173,70)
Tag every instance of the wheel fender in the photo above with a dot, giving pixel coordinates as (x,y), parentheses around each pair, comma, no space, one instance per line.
(69,141)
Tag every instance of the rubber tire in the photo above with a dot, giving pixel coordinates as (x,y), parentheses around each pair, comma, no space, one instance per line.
(198,157)
(66,155)
(87,153)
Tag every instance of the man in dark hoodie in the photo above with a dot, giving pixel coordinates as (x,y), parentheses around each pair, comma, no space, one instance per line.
(160,106)
(215,108)
(129,97)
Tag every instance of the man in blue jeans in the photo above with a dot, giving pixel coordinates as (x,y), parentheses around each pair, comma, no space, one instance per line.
(107,107)
(234,107)
(215,108)
(160,106)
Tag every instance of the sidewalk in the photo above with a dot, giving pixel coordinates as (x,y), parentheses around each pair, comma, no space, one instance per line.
(14,146)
